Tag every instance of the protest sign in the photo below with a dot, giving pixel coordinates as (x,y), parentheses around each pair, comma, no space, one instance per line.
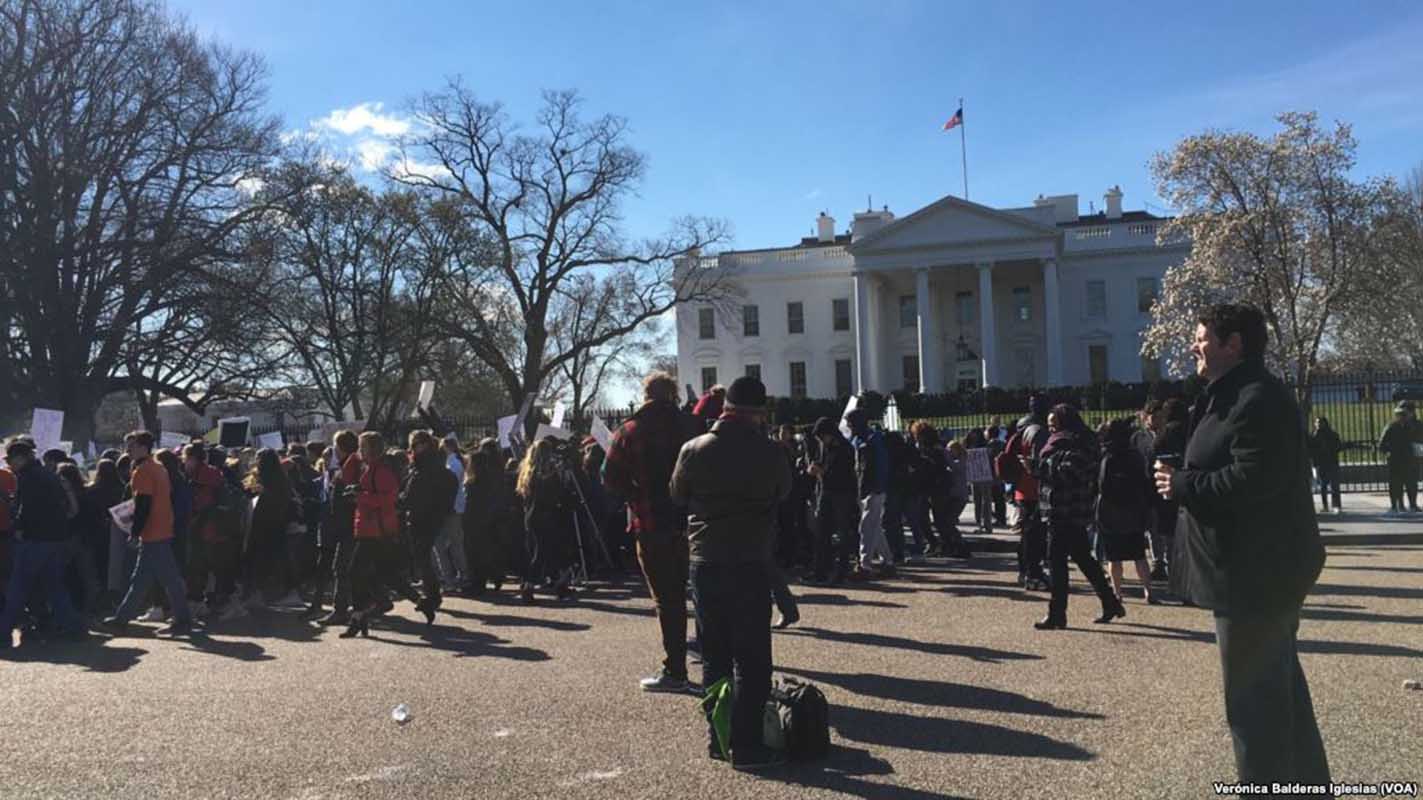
(46,427)
(271,440)
(232,432)
(168,440)
(559,410)
(853,404)
(549,430)
(505,426)
(602,434)
(122,515)
(978,467)
(427,393)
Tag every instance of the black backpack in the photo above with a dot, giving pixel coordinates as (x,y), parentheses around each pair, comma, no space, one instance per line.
(804,718)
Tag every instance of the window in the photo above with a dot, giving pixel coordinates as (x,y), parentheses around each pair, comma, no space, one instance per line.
(795,317)
(1023,304)
(963,301)
(840,312)
(911,373)
(708,378)
(1097,299)
(1027,361)
(1146,291)
(1097,362)
(706,323)
(1150,369)
(908,311)
(750,321)
(797,379)
(753,371)
(844,383)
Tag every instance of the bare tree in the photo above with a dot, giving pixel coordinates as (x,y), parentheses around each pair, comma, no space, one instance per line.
(1276,222)
(549,204)
(124,139)
(586,375)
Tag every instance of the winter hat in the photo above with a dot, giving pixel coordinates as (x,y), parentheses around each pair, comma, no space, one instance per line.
(746,392)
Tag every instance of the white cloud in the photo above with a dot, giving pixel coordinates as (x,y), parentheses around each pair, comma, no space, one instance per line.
(364,117)
(373,153)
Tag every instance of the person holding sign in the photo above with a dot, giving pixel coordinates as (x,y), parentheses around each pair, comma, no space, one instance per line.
(39,551)
(153,527)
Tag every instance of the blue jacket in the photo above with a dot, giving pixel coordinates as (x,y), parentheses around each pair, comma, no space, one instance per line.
(871,463)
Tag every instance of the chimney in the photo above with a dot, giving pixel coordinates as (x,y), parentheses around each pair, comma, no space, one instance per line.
(825,227)
(1114,202)
(867,222)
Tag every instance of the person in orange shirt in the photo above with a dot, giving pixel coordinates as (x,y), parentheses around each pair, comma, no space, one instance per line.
(153,528)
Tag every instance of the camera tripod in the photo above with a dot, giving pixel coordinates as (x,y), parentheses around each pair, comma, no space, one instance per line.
(566,474)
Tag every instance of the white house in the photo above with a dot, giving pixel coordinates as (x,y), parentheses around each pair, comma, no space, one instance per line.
(954,296)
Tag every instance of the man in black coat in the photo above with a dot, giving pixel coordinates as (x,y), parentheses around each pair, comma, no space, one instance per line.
(1251,542)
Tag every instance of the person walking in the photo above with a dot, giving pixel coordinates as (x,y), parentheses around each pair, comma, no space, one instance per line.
(341,467)
(153,528)
(731,481)
(426,499)
(376,530)
(1252,542)
(872,470)
(450,557)
(548,508)
(41,539)
(1067,471)
(1023,447)
(639,467)
(1124,499)
(837,512)
(1324,449)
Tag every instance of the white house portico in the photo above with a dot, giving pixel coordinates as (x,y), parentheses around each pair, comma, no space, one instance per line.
(953,296)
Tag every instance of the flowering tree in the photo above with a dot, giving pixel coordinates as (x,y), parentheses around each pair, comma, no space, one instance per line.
(1276,222)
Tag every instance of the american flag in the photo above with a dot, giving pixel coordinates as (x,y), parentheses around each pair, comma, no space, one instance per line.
(954,121)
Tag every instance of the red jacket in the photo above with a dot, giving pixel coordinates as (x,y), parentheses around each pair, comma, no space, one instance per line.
(375,504)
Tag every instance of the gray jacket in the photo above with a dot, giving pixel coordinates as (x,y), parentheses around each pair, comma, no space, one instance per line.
(731,480)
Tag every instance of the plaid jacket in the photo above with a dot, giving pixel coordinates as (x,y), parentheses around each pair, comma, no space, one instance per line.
(1069,486)
(640,462)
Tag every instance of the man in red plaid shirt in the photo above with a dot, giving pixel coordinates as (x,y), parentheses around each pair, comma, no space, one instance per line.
(639,466)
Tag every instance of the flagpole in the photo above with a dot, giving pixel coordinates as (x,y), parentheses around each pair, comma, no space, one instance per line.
(963,149)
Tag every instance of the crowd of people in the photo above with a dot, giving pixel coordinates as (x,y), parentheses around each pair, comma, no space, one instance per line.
(705,498)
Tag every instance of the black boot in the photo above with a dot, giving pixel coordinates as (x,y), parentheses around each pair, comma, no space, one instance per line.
(359,624)
(1050,623)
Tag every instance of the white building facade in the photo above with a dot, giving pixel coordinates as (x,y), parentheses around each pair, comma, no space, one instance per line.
(953,297)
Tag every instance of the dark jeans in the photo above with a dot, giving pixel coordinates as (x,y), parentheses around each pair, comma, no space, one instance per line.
(37,564)
(218,558)
(423,541)
(268,565)
(1032,543)
(1070,541)
(373,572)
(733,604)
(663,558)
(946,518)
(1402,479)
(917,512)
(334,566)
(983,506)
(1267,703)
(1329,486)
(837,522)
(895,505)
(156,564)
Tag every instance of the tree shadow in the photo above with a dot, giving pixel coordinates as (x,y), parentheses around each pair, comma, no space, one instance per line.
(943,735)
(1332,615)
(505,620)
(93,653)
(983,654)
(609,608)
(460,641)
(1322,647)
(820,599)
(843,771)
(939,693)
(1346,590)
(1371,568)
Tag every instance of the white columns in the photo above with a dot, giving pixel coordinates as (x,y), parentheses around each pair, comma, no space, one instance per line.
(930,356)
(1052,322)
(987,325)
(864,338)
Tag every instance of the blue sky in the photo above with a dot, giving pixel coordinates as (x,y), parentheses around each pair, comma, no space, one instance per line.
(766,113)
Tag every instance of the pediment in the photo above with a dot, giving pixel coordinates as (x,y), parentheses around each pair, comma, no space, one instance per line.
(952,221)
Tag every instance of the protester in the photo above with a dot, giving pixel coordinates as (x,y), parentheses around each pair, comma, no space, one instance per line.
(376,529)
(731,481)
(1398,442)
(1023,447)
(548,507)
(1067,469)
(102,492)
(450,558)
(336,543)
(1324,449)
(268,569)
(214,548)
(38,552)
(872,470)
(639,467)
(485,519)
(80,559)
(899,491)
(1169,445)
(153,527)
(1253,543)
(1124,502)
(426,499)
(837,510)
(982,489)
(708,408)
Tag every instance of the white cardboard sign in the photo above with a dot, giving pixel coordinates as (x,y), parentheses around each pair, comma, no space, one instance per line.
(549,430)
(978,467)
(168,440)
(122,515)
(46,428)
(505,426)
(271,440)
(602,434)
(559,411)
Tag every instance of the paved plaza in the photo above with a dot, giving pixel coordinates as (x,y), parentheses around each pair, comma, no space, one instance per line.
(939,688)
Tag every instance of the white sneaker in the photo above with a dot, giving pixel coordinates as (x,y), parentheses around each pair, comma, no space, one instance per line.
(154,614)
(233,610)
(292,598)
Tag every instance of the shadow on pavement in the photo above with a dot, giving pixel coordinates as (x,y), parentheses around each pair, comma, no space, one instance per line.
(1371,568)
(460,641)
(943,735)
(1304,645)
(939,693)
(506,620)
(202,642)
(93,653)
(986,654)
(1398,592)
(843,771)
(1355,616)
(820,599)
